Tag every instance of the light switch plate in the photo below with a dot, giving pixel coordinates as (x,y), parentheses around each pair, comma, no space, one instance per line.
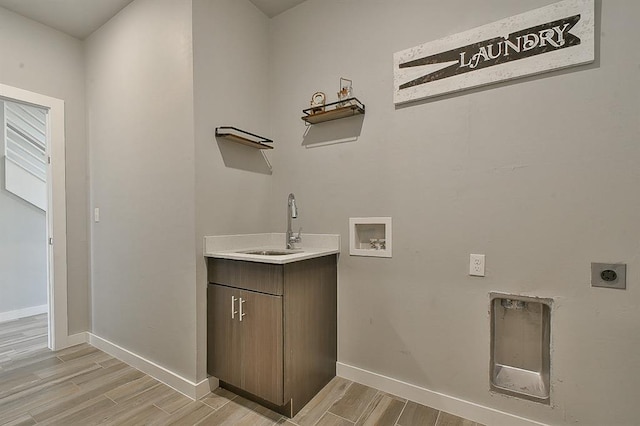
(609,275)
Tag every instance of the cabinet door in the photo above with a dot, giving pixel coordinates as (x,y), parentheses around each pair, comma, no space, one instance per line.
(223,335)
(262,346)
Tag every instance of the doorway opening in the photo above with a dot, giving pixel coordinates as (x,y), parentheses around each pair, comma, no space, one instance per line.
(34,169)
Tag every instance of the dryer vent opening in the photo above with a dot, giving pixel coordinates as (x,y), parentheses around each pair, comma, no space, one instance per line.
(520,346)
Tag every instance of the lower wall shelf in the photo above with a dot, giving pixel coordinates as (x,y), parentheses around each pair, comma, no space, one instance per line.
(234,134)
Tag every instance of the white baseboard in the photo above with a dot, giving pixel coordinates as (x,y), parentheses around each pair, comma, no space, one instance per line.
(76,339)
(440,401)
(22,313)
(169,378)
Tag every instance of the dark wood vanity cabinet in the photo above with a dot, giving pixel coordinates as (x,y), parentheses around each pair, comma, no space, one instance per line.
(271,329)
(248,352)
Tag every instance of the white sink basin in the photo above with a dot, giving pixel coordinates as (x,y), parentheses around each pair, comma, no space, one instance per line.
(271,252)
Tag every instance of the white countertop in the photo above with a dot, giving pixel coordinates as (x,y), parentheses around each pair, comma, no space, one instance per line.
(229,246)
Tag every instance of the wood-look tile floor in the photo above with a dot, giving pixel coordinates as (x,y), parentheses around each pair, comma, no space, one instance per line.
(84,386)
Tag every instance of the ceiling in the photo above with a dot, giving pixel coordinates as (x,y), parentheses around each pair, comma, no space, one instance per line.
(272,8)
(79,18)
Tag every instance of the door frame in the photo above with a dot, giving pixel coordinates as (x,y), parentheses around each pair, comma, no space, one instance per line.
(56,215)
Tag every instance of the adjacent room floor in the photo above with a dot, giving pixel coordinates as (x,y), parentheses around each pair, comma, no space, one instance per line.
(84,386)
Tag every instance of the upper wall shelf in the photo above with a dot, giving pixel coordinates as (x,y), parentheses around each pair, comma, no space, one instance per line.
(240,136)
(333,111)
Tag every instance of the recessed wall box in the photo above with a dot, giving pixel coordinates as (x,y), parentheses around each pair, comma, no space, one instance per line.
(370,236)
(521,346)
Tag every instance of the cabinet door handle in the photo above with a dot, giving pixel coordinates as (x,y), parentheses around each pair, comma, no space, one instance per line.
(233,307)
(242,314)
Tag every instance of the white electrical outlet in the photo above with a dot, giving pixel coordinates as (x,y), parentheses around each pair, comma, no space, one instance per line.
(96,215)
(476,265)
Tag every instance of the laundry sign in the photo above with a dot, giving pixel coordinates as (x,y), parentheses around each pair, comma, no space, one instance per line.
(546,39)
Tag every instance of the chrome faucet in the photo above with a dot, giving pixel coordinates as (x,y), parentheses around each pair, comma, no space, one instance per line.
(292,213)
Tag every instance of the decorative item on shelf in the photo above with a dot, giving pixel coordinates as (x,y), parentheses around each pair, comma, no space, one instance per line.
(241,136)
(346,91)
(317,102)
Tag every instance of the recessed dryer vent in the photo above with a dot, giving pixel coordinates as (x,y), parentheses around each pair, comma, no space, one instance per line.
(520,346)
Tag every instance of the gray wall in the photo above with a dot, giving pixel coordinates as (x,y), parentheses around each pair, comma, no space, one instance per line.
(233,182)
(42,60)
(140,126)
(540,174)
(23,249)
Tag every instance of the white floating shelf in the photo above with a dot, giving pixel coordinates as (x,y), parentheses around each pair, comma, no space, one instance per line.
(370,236)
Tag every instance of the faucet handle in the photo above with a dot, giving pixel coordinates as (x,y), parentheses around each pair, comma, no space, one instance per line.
(295,238)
